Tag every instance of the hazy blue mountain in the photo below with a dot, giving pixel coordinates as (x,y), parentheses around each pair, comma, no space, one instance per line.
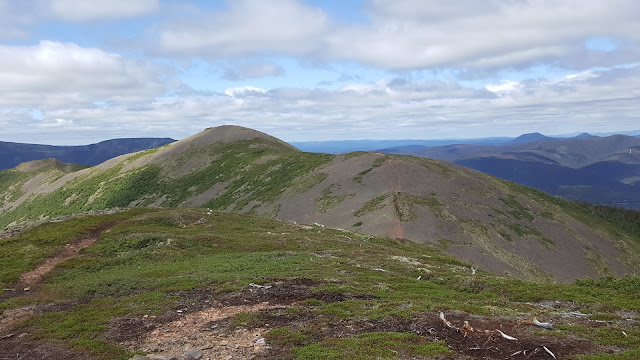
(603,170)
(12,154)
(527,138)
(345,146)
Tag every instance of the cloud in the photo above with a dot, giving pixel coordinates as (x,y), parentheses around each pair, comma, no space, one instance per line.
(90,10)
(252,70)
(488,34)
(58,123)
(388,108)
(54,74)
(417,34)
(247,27)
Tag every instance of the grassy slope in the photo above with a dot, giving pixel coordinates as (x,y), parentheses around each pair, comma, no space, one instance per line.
(152,260)
(234,166)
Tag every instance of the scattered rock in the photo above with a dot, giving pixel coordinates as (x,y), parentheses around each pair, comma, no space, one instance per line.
(193,354)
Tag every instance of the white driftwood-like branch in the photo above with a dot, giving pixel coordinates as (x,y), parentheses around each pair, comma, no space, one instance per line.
(506,336)
(546,325)
(548,351)
(446,322)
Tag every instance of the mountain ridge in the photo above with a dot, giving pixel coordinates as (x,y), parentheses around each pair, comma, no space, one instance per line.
(498,225)
(12,153)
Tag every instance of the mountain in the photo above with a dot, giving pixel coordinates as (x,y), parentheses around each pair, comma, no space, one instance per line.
(584,136)
(593,169)
(345,146)
(12,154)
(495,224)
(527,138)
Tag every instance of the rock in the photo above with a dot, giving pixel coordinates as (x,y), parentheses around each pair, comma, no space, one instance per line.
(193,354)
(140,357)
(259,343)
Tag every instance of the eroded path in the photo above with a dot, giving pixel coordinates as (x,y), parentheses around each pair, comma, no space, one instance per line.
(28,285)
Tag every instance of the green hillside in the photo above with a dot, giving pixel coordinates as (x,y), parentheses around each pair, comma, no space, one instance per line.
(193,283)
(495,224)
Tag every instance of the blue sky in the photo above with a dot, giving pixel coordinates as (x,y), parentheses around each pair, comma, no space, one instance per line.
(80,72)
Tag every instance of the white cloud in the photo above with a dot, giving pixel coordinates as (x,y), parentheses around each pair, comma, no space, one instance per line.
(417,34)
(506,85)
(89,10)
(486,34)
(54,74)
(248,27)
(393,108)
(58,123)
(243,91)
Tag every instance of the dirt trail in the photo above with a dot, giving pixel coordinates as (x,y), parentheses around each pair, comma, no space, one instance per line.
(71,250)
(27,285)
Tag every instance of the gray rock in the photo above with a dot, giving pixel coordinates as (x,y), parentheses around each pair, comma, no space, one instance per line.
(193,355)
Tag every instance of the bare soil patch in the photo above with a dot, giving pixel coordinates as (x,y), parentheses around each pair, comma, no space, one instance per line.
(203,324)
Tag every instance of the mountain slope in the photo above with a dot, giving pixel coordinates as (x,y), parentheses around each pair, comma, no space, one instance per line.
(12,154)
(601,170)
(499,226)
(193,283)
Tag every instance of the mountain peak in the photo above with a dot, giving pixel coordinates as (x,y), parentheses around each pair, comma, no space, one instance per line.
(50,163)
(229,134)
(530,137)
(584,135)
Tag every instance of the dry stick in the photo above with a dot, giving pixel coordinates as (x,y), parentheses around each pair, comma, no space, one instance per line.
(545,325)
(506,336)
(549,351)
(447,322)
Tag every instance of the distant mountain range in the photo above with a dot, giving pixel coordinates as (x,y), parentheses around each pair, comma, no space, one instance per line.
(498,225)
(604,170)
(12,154)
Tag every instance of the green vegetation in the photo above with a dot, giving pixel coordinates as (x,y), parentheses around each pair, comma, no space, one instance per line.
(372,205)
(523,231)
(373,346)
(328,201)
(403,205)
(235,168)
(376,163)
(518,211)
(305,183)
(148,262)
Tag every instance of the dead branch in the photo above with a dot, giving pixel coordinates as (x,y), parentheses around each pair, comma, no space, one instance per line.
(467,328)
(548,351)
(447,323)
(506,336)
(535,321)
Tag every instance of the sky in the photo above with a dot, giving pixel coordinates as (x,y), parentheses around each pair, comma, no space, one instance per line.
(78,72)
